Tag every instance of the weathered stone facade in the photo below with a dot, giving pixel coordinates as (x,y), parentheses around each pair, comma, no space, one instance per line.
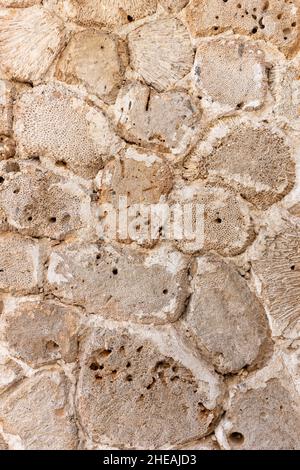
(126,341)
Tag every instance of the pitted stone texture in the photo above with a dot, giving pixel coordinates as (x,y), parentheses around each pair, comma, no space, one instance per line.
(39,203)
(223,223)
(295,210)
(278,272)
(7,147)
(41,332)
(140,116)
(286,89)
(230,75)
(257,162)
(137,182)
(20,264)
(226,320)
(161,52)
(6,112)
(110,13)
(96,60)
(173,6)
(263,418)
(122,284)
(273,20)
(37,414)
(128,386)
(32,33)
(18,3)
(53,122)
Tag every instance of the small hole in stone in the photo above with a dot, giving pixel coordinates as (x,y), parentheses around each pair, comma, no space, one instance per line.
(115,271)
(236,438)
(293,267)
(165,291)
(218,220)
(294,24)
(16,191)
(239,5)
(94,366)
(51,346)
(139,349)
(29,218)
(129,378)
(128,364)
(1,179)
(254,30)
(98,256)
(52,220)
(130,18)
(61,163)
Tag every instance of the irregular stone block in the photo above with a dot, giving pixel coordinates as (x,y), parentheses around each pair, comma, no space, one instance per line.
(129,382)
(120,284)
(53,122)
(230,75)
(256,161)
(34,33)
(226,320)
(3,444)
(140,116)
(20,264)
(41,332)
(10,372)
(6,111)
(111,12)
(224,220)
(273,20)
(263,418)
(173,6)
(41,204)
(96,60)
(278,272)
(37,414)
(7,147)
(161,52)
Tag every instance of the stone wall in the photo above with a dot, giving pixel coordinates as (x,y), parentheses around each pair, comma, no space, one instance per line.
(136,342)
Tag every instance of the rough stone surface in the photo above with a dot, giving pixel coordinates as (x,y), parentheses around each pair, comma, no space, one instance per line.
(230,75)
(149,224)
(53,122)
(274,20)
(97,278)
(135,380)
(225,317)
(102,73)
(140,117)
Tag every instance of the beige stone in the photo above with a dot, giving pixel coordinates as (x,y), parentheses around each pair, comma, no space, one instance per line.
(122,284)
(278,272)
(96,60)
(6,101)
(33,33)
(18,3)
(173,6)
(273,20)
(230,75)
(140,115)
(161,52)
(224,220)
(7,147)
(39,203)
(41,332)
(226,320)
(263,418)
(3,444)
(257,162)
(111,12)
(55,123)
(10,372)
(37,413)
(129,384)
(20,264)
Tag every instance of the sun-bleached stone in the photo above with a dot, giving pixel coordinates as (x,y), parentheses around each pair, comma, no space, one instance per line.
(225,319)
(55,123)
(6,101)
(41,332)
(20,263)
(161,52)
(96,60)
(256,161)
(140,116)
(122,284)
(43,396)
(273,20)
(129,382)
(34,33)
(41,204)
(230,74)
